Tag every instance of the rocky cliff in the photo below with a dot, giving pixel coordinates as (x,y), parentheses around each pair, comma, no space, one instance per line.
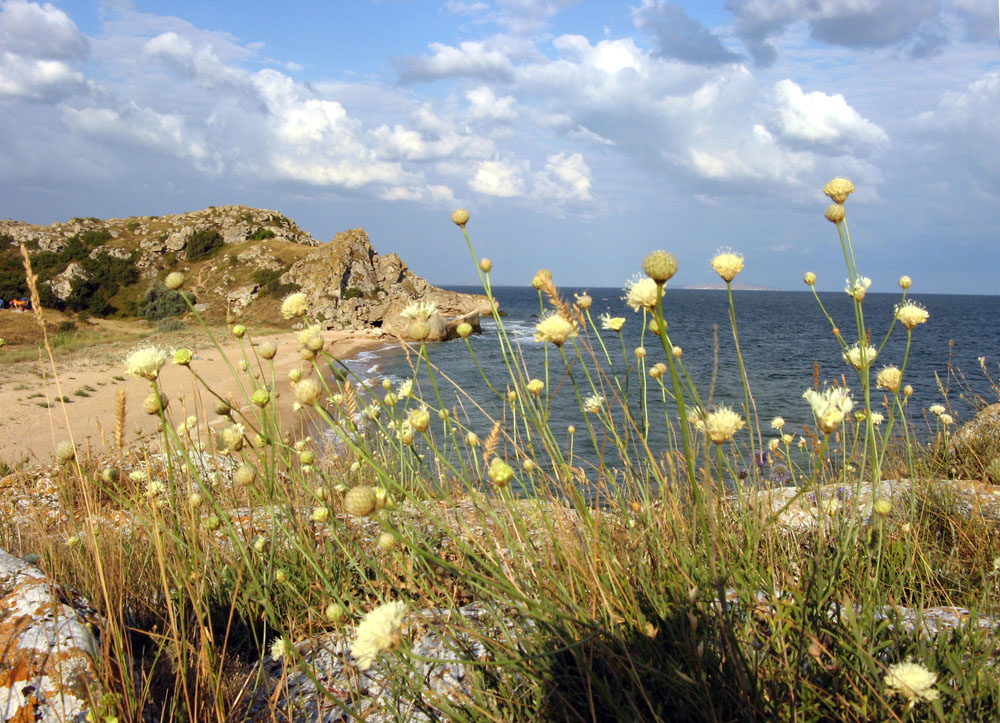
(236,259)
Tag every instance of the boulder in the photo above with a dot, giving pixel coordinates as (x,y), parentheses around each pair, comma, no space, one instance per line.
(976,444)
(47,652)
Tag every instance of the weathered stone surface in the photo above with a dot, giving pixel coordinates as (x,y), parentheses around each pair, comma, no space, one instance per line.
(63,283)
(47,653)
(976,443)
(349,284)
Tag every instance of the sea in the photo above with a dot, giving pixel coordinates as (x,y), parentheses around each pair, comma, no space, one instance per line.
(784,337)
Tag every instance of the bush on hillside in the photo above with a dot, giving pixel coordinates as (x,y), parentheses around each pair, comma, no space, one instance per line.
(204,244)
(261,234)
(162,303)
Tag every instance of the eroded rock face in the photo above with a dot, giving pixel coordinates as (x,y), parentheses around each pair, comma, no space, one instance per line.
(47,652)
(350,285)
(976,444)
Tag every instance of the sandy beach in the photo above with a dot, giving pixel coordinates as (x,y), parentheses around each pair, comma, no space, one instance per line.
(33,420)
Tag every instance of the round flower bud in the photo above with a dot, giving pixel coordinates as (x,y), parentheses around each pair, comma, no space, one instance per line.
(809,278)
(295,375)
(239,330)
(882,507)
(387,384)
(154,403)
(464,329)
(194,500)
(584,301)
(174,280)
(727,265)
(65,451)
(406,437)
(280,576)
(382,498)
(307,392)
(889,378)
(486,265)
(182,357)
(260,544)
(528,465)
(472,439)
(109,475)
(419,419)
(905,282)
(335,612)
(315,342)
(243,365)
(267,350)
(232,437)
(261,396)
(835,213)
(307,456)
(839,189)
(500,472)
(908,390)
(536,387)
(386,541)
(444,415)
(677,352)
(390,399)
(360,501)
(419,330)
(212,522)
(460,217)
(660,266)
(294,305)
(244,475)
(571,430)
(306,354)
(640,352)
(320,514)
(511,396)
(656,371)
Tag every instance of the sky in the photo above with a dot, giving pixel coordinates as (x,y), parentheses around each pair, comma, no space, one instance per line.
(579,134)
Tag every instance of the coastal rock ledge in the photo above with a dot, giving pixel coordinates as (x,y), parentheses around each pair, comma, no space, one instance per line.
(350,285)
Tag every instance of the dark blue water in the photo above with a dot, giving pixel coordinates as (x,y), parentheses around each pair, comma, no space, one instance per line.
(783,335)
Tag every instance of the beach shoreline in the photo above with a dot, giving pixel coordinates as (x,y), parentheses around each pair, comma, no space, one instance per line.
(35,421)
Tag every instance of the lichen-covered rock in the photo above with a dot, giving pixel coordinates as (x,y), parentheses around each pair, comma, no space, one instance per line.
(976,444)
(47,652)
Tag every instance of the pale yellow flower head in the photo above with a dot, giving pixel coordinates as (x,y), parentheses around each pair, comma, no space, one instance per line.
(835,213)
(594,403)
(809,278)
(174,280)
(460,217)
(146,362)
(829,407)
(859,288)
(307,392)
(419,310)
(500,472)
(612,323)
(937,409)
(584,300)
(905,282)
(911,681)
(380,631)
(727,264)
(911,314)
(640,293)
(536,387)
(294,305)
(777,423)
(554,328)
(660,266)
(889,378)
(860,358)
(723,423)
(839,189)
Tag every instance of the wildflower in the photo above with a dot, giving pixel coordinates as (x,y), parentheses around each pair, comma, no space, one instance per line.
(244,475)
(529,465)
(183,357)
(261,396)
(676,352)
(787,439)
(239,331)
(889,378)
(418,330)
(835,213)
(335,612)
(155,488)
(511,396)
(839,189)
(695,420)
(877,418)
(571,430)
(660,266)
(584,301)
(727,264)
(946,419)
(882,507)
(137,475)
(380,631)
(294,305)
(260,544)
(295,375)
(174,280)
(2,343)
(594,403)
(911,314)
(658,370)
(360,501)
(612,323)
(307,456)
(554,328)
(777,423)
(723,423)
(154,403)
(464,329)
(405,389)
(390,399)
(267,350)
(908,390)
(212,522)
(280,649)
(232,437)
(65,451)
(311,337)
(109,475)
(859,288)
(905,282)
(535,386)
(72,541)
(500,472)
(774,444)
(641,293)
(195,500)
(460,217)
(320,514)
(146,362)
(485,265)
(829,407)
(912,681)
(640,352)
(419,419)
(419,310)
(472,439)
(860,358)
(280,575)
(809,278)
(386,541)
(307,392)
(936,409)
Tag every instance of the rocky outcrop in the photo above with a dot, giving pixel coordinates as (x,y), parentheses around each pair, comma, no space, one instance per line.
(348,284)
(976,444)
(47,653)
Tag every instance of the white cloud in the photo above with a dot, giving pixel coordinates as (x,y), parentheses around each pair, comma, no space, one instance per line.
(566,177)
(818,119)
(485,105)
(37,79)
(498,178)
(31,30)
(470,59)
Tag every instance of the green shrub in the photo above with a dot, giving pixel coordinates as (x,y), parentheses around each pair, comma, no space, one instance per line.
(269,280)
(204,244)
(161,303)
(66,327)
(167,325)
(260,234)
(352,292)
